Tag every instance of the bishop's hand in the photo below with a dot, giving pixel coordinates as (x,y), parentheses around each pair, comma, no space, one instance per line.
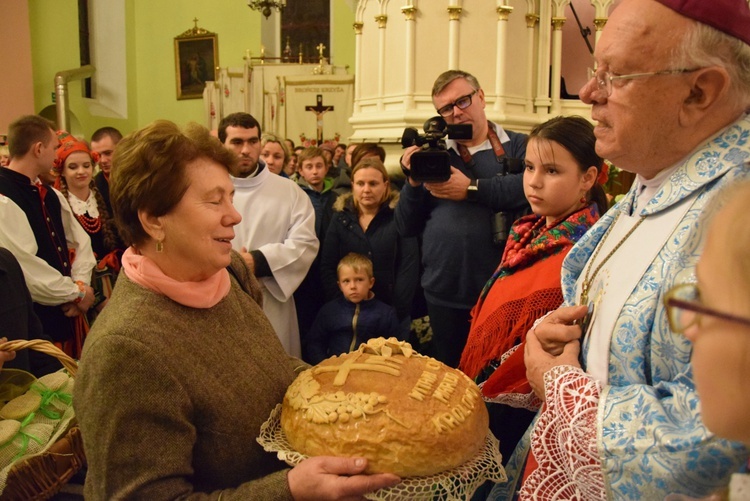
(538,361)
(559,328)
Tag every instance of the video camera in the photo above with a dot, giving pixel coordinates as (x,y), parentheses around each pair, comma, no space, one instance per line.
(432,163)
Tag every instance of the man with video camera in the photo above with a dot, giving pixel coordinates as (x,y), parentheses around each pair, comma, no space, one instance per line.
(463,221)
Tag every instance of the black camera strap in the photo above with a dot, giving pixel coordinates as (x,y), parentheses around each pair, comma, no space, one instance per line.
(497,146)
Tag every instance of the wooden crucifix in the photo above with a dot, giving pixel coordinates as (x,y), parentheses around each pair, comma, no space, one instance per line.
(319,111)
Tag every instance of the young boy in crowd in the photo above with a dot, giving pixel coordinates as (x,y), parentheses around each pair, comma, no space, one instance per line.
(354,317)
(313,169)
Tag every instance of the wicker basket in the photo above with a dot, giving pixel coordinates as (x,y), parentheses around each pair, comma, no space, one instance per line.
(42,476)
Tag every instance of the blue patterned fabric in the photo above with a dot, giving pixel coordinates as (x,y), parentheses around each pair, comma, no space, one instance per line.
(652,440)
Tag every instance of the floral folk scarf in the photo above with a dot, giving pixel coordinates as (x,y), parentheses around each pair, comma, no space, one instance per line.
(545,241)
(525,286)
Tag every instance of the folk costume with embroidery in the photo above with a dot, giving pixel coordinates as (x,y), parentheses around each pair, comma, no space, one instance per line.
(633,430)
(96,221)
(525,286)
(39,229)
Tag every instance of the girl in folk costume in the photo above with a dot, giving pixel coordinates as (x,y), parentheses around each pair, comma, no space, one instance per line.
(562,181)
(74,165)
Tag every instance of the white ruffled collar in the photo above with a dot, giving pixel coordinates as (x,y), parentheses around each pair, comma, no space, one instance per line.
(81,207)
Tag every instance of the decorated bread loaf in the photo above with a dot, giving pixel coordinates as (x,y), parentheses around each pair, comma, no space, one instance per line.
(406,413)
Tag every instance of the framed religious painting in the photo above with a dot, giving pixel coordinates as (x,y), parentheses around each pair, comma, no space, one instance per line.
(196,55)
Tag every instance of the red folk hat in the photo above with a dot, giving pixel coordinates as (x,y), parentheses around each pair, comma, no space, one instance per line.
(729,16)
(68,145)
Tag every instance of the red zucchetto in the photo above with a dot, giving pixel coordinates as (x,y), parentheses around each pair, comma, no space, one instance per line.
(729,16)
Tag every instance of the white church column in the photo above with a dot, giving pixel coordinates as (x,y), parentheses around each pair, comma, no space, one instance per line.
(532,20)
(542,100)
(557,24)
(382,21)
(357,66)
(599,25)
(246,83)
(501,70)
(601,15)
(409,49)
(454,15)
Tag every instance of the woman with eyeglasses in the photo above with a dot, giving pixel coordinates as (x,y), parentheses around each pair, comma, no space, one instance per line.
(714,314)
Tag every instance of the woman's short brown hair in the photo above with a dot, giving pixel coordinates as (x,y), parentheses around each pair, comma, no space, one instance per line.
(148,172)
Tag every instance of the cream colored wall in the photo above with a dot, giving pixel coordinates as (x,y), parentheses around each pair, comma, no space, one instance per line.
(382,115)
(342,33)
(54,47)
(16,82)
(157,23)
(516,82)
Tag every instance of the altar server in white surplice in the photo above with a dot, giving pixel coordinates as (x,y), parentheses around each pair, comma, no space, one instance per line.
(277,233)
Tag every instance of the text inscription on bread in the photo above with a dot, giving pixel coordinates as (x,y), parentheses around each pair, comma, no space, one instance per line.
(447,421)
(426,381)
(447,387)
(423,389)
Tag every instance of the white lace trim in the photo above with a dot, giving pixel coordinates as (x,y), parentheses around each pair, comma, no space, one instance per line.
(508,353)
(564,440)
(528,401)
(81,207)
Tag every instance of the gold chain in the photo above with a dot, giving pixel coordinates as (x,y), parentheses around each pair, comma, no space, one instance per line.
(586,280)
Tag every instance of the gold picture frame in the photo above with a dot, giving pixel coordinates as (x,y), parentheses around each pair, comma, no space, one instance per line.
(196,55)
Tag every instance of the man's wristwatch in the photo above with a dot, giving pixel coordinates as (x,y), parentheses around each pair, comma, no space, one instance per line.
(472,192)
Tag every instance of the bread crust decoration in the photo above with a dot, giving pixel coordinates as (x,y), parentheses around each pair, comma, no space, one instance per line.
(408,414)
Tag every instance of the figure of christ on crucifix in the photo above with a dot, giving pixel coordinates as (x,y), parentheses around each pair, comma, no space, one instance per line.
(319,111)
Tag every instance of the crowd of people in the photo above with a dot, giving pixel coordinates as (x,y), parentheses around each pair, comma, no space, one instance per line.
(195,278)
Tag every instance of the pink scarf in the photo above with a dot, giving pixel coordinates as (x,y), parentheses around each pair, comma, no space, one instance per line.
(204,294)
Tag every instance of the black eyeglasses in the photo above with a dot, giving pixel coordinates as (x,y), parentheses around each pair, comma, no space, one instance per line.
(462,103)
(604,79)
(684,309)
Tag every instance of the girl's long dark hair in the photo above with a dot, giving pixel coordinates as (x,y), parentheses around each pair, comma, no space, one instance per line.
(576,134)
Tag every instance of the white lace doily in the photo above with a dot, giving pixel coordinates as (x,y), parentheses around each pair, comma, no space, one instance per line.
(456,484)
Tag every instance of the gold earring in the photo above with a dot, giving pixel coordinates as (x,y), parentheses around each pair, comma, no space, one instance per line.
(159,246)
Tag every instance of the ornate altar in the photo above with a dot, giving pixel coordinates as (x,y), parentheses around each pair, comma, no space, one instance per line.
(305,102)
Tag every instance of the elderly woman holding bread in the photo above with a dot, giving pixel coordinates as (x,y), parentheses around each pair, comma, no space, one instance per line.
(180,371)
